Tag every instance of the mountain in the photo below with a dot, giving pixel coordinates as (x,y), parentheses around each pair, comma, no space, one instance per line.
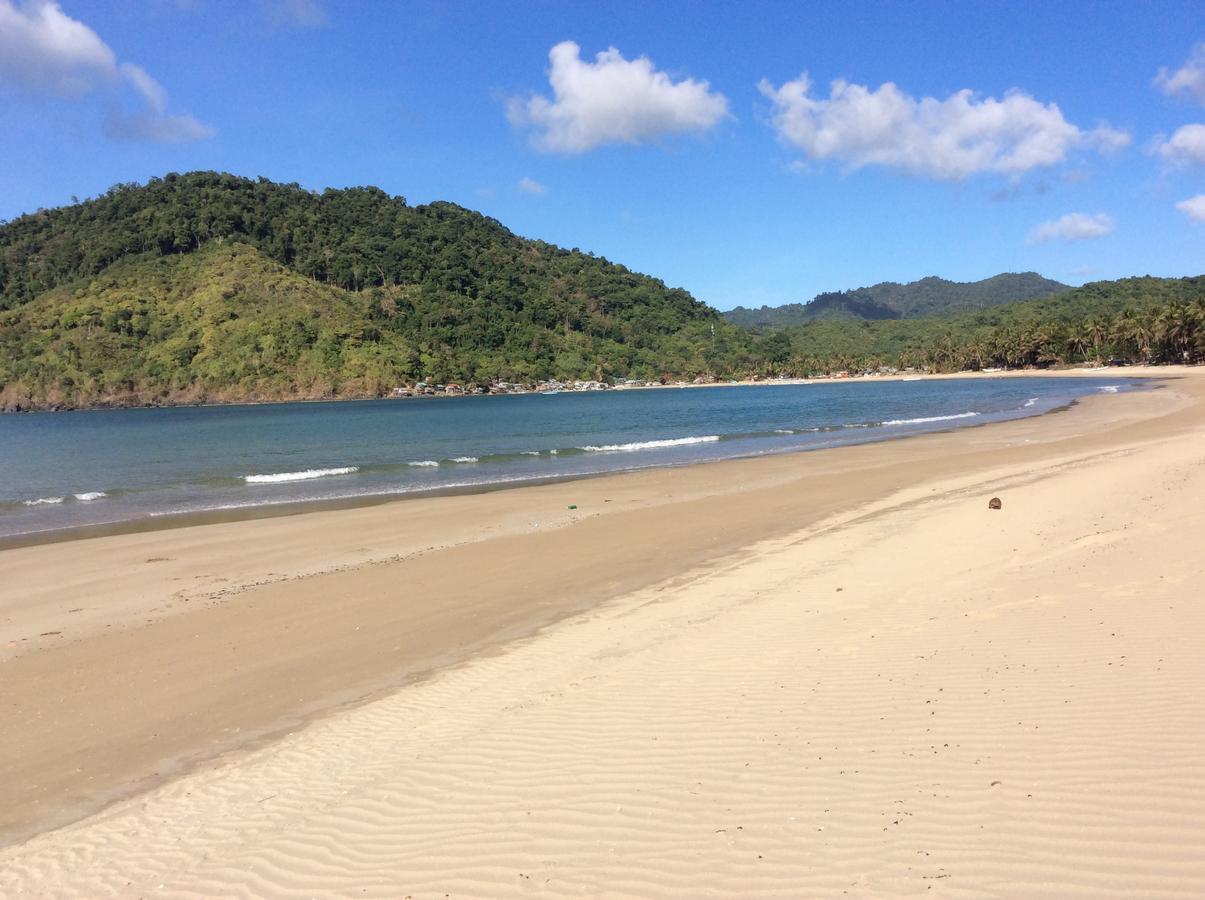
(1142,319)
(928,298)
(207,286)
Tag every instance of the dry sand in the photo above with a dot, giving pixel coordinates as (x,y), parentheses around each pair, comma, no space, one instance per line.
(801,676)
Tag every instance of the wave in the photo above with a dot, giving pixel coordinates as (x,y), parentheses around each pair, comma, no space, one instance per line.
(1032,401)
(650,445)
(464,459)
(83,497)
(1111,388)
(925,419)
(305,475)
(784,430)
(424,463)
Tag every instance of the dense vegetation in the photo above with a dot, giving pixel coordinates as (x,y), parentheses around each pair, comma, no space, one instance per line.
(1133,320)
(208,287)
(929,297)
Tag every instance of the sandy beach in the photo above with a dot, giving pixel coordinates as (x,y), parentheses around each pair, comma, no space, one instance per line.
(817,674)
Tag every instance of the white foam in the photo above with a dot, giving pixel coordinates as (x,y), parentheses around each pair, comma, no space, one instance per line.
(464,459)
(784,431)
(1111,388)
(424,463)
(1032,401)
(530,452)
(652,445)
(305,475)
(43,501)
(87,496)
(925,419)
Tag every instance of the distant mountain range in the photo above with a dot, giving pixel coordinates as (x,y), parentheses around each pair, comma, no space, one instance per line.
(928,298)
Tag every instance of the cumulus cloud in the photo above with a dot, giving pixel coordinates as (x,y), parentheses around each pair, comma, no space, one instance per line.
(44,52)
(1193,207)
(531,186)
(1185,146)
(613,101)
(1072,227)
(1188,80)
(950,139)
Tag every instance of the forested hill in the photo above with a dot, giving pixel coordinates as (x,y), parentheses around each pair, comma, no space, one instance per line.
(354,239)
(210,286)
(928,298)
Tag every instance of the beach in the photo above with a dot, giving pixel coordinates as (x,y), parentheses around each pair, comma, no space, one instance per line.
(797,675)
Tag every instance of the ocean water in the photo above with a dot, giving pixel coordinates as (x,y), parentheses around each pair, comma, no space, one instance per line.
(65,470)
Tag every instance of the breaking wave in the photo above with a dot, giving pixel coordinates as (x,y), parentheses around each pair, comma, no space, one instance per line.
(305,475)
(650,445)
(926,419)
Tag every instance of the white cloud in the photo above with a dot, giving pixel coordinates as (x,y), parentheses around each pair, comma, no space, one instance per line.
(1186,145)
(1188,79)
(1072,227)
(953,138)
(613,101)
(150,127)
(531,186)
(1193,207)
(45,52)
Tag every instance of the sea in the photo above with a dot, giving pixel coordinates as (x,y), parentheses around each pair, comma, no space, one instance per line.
(70,470)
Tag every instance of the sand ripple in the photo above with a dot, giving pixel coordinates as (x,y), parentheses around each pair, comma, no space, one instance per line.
(1002,704)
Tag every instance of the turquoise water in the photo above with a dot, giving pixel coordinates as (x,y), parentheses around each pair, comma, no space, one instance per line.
(64,470)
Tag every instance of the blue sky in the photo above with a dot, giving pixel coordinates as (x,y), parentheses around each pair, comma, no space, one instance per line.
(692,150)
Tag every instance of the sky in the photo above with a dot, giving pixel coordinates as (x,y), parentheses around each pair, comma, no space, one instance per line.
(752,153)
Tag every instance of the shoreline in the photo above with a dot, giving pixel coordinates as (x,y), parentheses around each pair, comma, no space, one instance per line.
(200,611)
(188,604)
(764,382)
(1154,375)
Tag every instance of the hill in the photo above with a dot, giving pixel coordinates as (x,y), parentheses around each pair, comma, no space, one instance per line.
(928,298)
(1140,319)
(212,287)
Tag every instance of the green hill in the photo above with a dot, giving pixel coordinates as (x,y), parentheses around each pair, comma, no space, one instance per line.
(211,287)
(928,298)
(1135,319)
